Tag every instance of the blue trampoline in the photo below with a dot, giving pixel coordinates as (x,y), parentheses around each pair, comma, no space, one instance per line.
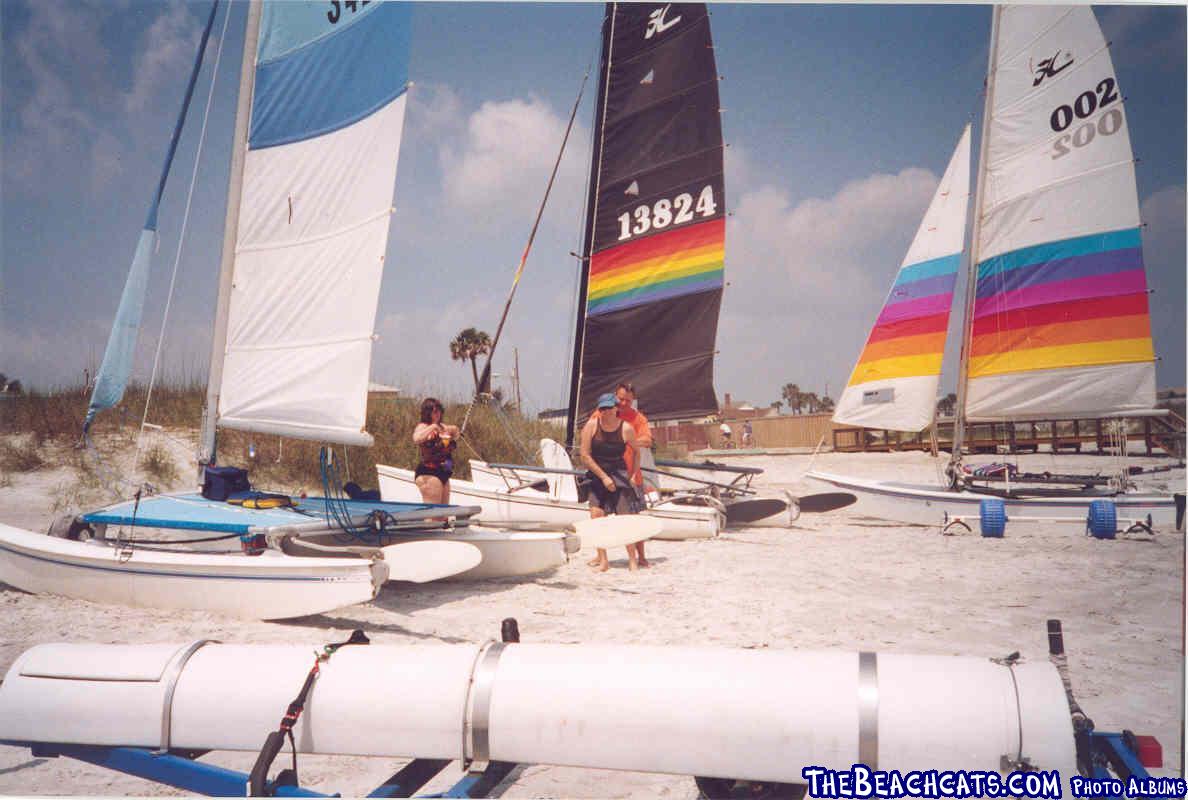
(196,513)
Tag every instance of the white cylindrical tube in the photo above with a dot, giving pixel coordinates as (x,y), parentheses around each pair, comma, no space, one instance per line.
(745,714)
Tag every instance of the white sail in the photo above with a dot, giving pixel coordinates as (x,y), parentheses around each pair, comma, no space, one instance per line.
(894,383)
(1060,325)
(319,174)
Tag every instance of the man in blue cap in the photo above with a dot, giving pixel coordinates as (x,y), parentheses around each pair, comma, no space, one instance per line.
(605,438)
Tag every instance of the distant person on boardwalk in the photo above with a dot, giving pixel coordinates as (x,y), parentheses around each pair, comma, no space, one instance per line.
(604,440)
(436,442)
(724,429)
(747,439)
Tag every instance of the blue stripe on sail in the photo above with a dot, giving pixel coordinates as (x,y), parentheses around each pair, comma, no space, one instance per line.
(1127,239)
(945,265)
(926,287)
(1061,269)
(597,307)
(287,26)
(121,343)
(334,81)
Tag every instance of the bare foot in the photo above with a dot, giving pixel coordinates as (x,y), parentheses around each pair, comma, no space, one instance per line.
(598,566)
(593,562)
(633,565)
(644,563)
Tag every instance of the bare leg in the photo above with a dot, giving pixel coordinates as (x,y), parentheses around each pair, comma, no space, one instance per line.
(632,561)
(643,561)
(431,488)
(600,560)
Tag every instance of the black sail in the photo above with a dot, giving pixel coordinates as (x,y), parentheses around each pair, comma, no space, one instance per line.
(654,252)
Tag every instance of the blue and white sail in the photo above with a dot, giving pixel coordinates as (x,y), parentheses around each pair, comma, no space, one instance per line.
(327,114)
(112,377)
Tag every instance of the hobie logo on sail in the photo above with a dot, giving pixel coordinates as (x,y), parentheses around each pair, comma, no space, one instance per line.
(1048,69)
(657,23)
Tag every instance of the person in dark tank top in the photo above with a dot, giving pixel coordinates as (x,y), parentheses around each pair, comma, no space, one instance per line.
(604,441)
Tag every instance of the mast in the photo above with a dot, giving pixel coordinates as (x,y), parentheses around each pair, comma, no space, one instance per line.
(575,373)
(972,269)
(230,232)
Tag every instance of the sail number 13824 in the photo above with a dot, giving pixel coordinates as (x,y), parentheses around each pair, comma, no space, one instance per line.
(665,212)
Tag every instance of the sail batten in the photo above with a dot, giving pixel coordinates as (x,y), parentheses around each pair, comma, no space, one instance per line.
(654,259)
(326,122)
(1060,298)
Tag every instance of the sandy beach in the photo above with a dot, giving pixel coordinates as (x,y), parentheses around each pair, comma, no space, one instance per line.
(832,581)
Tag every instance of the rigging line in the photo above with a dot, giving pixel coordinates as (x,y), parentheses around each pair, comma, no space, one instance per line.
(181,236)
(484,381)
(576,275)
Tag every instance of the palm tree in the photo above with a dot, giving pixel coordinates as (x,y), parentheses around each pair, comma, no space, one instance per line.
(791,393)
(777,405)
(827,403)
(468,346)
(811,401)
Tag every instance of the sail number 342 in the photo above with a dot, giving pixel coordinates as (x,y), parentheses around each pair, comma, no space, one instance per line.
(665,212)
(336,7)
(1082,108)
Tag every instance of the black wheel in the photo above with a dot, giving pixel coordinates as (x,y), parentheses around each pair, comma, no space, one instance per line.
(71,528)
(730,789)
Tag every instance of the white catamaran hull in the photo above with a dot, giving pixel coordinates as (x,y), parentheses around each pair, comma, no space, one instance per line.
(527,506)
(506,554)
(919,504)
(268,586)
(745,714)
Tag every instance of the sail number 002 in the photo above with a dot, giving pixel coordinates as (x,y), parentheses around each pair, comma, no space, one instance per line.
(665,212)
(1082,108)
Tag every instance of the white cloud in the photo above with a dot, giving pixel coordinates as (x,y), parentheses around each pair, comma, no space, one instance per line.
(499,172)
(434,110)
(168,52)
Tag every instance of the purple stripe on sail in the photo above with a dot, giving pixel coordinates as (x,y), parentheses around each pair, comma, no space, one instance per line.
(1061,269)
(1130,282)
(927,287)
(910,309)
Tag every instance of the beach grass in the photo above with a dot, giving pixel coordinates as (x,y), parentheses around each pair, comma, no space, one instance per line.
(38,422)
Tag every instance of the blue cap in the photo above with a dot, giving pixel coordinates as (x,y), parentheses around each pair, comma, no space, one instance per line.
(607,400)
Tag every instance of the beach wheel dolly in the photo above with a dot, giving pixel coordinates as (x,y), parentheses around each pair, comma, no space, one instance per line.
(1101,520)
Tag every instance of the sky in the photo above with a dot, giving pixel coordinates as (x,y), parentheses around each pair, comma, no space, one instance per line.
(839,120)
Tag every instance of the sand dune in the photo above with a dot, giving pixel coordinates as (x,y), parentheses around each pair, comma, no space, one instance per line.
(833,581)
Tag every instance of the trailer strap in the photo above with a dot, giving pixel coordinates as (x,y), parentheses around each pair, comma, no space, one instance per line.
(258,779)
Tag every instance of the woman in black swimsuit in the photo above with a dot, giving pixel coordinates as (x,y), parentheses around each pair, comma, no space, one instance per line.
(436,442)
(604,440)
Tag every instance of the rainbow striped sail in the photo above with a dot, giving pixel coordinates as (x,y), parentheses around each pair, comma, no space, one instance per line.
(1060,324)
(671,264)
(327,115)
(656,217)
(894,384)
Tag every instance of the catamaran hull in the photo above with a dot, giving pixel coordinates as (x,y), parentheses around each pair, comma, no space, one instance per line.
(918,504)
(506,554)
(532,507)
(746,714)
(268,586)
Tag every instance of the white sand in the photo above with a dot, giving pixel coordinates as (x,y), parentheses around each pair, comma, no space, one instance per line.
(832,581)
